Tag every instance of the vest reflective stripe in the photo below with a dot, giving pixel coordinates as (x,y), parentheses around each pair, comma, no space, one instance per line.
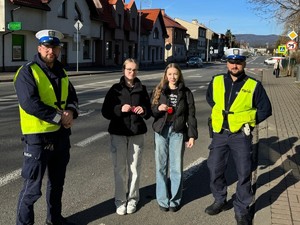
(31,124)
(242,109)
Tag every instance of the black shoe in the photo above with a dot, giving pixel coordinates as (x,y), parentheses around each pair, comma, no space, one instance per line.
(216,208)
(174,208)
(164,209)
(62,221)
(243,220)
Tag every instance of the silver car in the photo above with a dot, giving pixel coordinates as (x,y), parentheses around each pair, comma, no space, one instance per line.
(194,62)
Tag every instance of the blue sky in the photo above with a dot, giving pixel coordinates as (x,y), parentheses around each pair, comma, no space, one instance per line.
(218,15)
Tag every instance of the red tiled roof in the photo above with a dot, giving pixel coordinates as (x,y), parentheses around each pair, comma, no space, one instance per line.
(149,17)
(169,22)
(36,4)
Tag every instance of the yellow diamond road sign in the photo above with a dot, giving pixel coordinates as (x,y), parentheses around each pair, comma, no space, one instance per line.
(292,35)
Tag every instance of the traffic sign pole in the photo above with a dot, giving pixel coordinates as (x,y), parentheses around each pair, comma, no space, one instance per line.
(78,25)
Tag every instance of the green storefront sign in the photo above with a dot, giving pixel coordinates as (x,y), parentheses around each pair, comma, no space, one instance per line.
(14,26)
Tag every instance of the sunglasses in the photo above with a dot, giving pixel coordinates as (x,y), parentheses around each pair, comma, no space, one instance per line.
(235,61)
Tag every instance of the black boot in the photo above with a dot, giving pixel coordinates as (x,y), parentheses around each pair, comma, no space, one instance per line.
(61,221)
(243,220)
(216,208)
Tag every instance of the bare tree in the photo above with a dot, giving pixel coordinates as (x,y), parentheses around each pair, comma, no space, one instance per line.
(285,11)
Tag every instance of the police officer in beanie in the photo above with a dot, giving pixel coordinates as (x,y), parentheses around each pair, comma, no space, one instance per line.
(238,102)
(48,105)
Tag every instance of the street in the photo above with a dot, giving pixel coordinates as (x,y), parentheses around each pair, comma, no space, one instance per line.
(89,188)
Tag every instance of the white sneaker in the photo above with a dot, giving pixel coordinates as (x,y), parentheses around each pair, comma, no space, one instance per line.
(131,207)
(121,210)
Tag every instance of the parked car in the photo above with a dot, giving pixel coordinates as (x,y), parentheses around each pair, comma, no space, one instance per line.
(223,59)
(272,60)
(194,62)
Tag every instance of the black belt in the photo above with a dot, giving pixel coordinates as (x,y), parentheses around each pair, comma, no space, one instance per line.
(224,130)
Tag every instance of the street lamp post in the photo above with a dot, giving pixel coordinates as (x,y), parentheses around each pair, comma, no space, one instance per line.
(139,34)
(208,38)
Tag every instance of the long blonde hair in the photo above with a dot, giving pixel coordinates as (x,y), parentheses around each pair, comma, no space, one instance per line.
(164,80)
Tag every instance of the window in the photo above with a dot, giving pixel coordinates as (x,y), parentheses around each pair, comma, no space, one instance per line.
(133,25)
(161,52)
(18,47)
(86,49)
(119,21)
(62,10)
(156,33)
(143,53)
(108,50)
(77,14)
(149,53)
(175,35)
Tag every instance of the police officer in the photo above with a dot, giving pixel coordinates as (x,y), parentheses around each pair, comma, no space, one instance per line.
(48,104)
(238,102)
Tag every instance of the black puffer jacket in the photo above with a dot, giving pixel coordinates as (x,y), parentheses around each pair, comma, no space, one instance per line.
(126,123)
(185,121)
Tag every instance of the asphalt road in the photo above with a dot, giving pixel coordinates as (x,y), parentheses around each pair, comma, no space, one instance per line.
(88,193)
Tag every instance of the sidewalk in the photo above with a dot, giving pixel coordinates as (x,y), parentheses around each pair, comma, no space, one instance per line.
(278,175)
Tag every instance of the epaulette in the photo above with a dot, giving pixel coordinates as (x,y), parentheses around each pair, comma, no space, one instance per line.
(29,63)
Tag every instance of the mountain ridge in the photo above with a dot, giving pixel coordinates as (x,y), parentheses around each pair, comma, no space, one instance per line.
(255,40)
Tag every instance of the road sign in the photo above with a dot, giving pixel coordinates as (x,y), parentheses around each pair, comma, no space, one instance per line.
(14,26)
(291,45)
(78,25)
(292,35)
(282,49)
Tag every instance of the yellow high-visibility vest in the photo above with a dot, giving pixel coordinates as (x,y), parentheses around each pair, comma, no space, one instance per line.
(241,111)
(31,124)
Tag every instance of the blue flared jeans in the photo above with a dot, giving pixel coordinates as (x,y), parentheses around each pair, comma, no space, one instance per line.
(169,148)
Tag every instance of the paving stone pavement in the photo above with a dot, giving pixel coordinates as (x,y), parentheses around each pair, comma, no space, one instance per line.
(278,175)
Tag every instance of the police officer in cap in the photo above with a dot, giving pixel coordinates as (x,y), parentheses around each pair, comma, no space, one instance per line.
(238,102)
(48,105)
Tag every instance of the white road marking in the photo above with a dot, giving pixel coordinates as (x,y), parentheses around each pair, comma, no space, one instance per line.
(91,139)
(192,168)
(10,177)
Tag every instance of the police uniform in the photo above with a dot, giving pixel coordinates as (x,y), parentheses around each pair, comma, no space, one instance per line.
(237,106)
(43,93)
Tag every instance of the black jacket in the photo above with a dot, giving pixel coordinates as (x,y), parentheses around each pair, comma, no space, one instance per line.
(185,121)
(260,99)
(126,123)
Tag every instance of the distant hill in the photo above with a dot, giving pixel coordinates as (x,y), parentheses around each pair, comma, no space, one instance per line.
(258,40)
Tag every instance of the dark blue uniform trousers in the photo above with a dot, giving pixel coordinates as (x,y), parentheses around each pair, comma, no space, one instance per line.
(240,147)
(36,159)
